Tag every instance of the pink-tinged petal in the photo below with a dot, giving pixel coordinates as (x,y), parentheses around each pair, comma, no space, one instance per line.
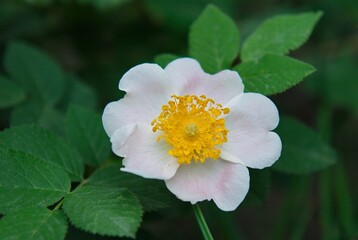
(148,88)
(185,73)
(127,111)
(147,79)
(222,86)
(256,149)
(251,110)
(192,80)
(224,182)
(249,122)
(143,155)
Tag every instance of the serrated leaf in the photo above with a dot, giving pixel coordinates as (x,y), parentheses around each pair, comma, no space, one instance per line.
(259,186)
(34,71)
(32,112)
(214,40)
(10,93)
(164,59)
(85,130)
(303,151)
(33,224)
(45,145)
(279,35)
(273,74)
(152,194)
(26,180)
(104,211)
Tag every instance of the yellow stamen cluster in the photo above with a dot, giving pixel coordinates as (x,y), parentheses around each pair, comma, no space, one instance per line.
(193,126)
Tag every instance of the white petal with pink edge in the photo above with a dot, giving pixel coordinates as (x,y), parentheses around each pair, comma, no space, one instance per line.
(143,155)
(127,111)
(149,79)
(190,79)
(249,122)
(224,182)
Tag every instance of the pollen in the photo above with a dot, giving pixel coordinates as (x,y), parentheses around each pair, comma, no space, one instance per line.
(193,126)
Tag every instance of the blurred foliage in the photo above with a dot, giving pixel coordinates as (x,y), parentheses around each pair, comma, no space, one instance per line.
(95,42)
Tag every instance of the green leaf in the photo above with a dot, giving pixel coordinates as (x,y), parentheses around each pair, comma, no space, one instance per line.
(45,145)
(41,114)
(164,59)
(303,151)
(152,194)
(26,180)
(34,71)
(85,130)
(33,223)
(259,186)
(279,35)
(104,211)
(273,74)
(10,93)
(214,40)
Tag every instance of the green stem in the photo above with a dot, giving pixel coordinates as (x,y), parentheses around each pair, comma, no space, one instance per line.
(202,223)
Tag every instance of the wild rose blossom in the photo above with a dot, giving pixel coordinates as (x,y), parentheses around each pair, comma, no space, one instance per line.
(197,132)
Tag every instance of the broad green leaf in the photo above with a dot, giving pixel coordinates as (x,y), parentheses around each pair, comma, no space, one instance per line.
(152,194)
(26,180)
(78,93)
(279,35)
(35,72)
(33,224)
(259,186)
(214,40)
(10,93)
(164,59)
(45,145)
(273,74)
(38,113)
(303,151)
(85,130)
(104,211)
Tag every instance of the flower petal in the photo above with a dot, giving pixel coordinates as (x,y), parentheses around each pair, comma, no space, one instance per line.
(127,111)
(143,155)
(185,72)
(249,140)
(149,79)
(251,110)
(258,149)
(225,182)
(145,83)
(191,79)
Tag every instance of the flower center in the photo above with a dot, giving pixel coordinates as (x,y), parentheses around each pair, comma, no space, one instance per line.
(194,127)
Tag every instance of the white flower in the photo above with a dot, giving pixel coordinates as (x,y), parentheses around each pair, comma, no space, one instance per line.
(198,132)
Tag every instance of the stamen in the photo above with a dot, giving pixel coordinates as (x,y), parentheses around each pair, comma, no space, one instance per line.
(194,127)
